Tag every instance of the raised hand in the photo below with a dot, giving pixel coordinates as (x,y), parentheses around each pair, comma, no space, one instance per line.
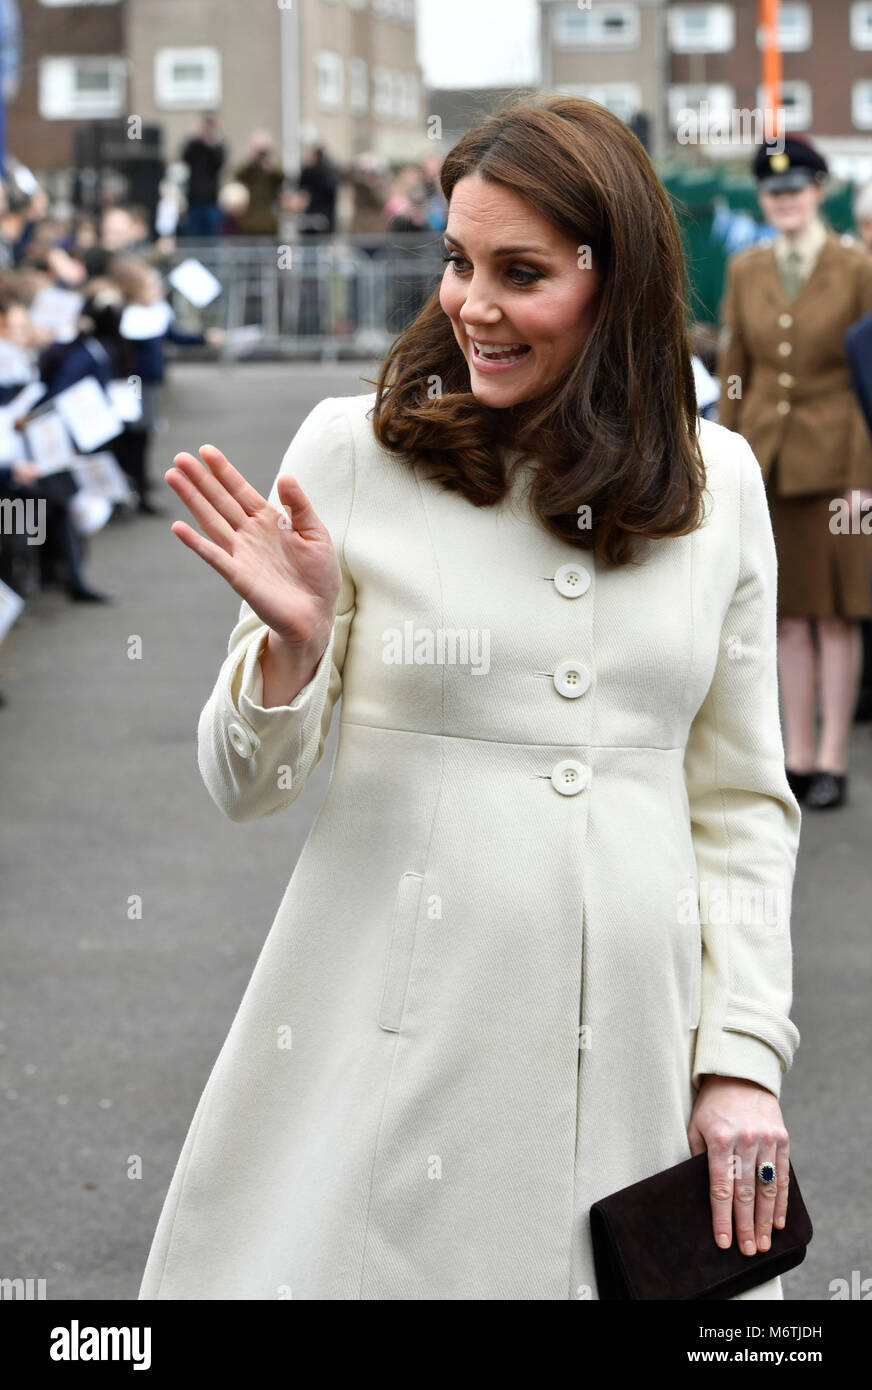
(281,562)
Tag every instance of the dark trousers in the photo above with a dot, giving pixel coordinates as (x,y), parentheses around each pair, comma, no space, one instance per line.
(131,451)
(203,220)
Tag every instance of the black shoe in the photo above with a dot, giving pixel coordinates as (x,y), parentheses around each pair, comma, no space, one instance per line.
(799,782)
(150,508)
(122,511)
(83,594)
(827,790)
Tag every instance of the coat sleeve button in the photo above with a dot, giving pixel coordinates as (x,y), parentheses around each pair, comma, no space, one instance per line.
(241,740)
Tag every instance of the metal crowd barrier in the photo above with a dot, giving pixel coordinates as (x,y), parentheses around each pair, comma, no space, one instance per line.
(326,297)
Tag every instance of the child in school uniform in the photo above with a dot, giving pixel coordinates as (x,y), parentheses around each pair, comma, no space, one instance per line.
(147,322)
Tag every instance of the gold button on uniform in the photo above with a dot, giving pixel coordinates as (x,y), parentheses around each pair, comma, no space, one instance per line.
(785,320)
(783,407)
(785,349)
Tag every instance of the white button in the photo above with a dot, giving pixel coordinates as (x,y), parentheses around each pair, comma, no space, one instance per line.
(783,407)
(785,379)
(244,742)
(571,679)
(785,349)
(572,580)
(570,777)
(785,320)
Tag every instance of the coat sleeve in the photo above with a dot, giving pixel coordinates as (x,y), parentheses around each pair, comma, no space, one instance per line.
(255,761)
(733,361)
(745,823)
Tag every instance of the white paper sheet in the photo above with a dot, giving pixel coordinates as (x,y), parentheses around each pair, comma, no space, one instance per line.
(11,605)
(88,414)
(16,365)
(239,340)
(58,310)
(145,320)
(11,441)
(48,443)
(124,399)
(24,402)
(192,279)
(101,473)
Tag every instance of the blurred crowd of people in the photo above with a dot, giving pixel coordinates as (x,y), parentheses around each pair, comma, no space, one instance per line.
(88,301)
(251,199)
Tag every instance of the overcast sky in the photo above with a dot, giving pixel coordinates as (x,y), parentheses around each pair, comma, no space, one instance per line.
(478,43)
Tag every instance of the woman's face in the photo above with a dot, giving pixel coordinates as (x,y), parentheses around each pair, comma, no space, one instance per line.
(793,211)
(542,295)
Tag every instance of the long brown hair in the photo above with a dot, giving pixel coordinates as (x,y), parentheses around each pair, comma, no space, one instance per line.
(618,433)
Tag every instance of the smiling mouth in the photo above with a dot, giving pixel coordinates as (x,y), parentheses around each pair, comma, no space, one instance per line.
(512,352)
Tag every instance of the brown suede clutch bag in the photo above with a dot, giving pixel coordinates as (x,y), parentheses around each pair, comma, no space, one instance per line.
(654,1239)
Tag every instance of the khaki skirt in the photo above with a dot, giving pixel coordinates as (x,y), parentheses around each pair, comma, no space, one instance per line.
(820,574)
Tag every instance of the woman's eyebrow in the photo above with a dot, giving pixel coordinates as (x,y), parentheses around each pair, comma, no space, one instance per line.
(503,250)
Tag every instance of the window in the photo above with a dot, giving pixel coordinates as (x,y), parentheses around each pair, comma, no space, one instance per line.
(412,98)
(358,86)
(710,102)
(701,28)
(381,93)
(187,77)
(328,81)
(794,27)
(623,98)
(861,105)
(82,88)
(603,26)
(392,9)
(796,101)
(56,4)
(861,26)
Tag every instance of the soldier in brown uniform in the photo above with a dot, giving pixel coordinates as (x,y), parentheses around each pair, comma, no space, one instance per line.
(785,386)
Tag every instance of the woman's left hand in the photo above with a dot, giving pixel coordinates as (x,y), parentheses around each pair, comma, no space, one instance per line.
(739,1122)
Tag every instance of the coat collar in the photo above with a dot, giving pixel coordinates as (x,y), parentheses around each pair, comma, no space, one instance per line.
(818,285)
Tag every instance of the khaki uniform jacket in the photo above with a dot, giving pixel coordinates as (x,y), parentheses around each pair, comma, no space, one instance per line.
(545,892)
(796,402)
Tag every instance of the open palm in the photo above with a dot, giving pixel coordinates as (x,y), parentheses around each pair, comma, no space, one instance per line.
(281,562)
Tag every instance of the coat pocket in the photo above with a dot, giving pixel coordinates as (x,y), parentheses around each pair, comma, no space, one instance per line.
(400,951)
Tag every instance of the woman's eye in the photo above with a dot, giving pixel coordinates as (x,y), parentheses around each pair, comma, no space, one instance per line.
(527,276)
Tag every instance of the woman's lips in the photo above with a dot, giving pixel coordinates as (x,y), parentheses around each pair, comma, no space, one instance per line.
(489,364)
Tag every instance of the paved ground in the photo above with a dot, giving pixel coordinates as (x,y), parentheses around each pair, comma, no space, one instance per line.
(109,1025)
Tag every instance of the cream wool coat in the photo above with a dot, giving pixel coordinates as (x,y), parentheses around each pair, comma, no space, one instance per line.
(483,1003)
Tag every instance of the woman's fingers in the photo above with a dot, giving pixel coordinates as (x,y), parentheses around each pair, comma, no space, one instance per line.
(745,1194)
(304,518)
(212,554)
(247,497)
(721,1192)
(782,1181)
(764,1210)
(188,480)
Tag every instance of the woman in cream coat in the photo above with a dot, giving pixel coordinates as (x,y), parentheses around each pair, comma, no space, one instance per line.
(502,981)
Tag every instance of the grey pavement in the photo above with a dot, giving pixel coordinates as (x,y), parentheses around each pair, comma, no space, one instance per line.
(111,1019)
